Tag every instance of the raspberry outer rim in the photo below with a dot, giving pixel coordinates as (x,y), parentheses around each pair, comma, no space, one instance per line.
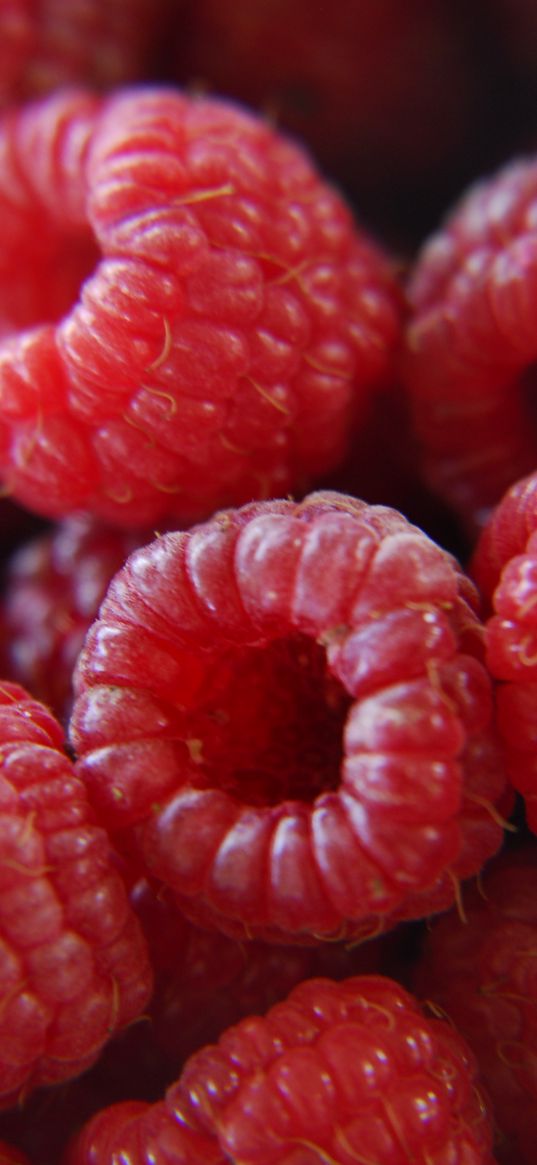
(266,561)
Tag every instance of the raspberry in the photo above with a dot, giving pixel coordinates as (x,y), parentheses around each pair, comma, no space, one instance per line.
(472,346)
(356,81)
(483,974)
(339,1072)
(54,586)
(505,567)
(47,43)
(74,965)
(194,319)
(205,981)
(318,740)
(10,1156)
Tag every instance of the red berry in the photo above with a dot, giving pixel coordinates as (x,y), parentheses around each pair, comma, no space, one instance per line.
(193,318)
(73,963)
(505,568)
(344,1072)
(483,973)
(472,344)
(48,43)
(53,589)
(356,81)
(283,716)
(205,981)
(10,1156)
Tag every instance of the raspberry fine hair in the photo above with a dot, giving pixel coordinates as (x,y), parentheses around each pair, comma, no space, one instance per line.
(340,1072)
(193,317)
(282,714)
(472,344)
(74,965)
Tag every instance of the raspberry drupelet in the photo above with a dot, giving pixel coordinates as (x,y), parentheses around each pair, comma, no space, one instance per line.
(505,568)
(470,364)
(73,962)
(340,1072)
(282,714)
(194,318)
(482,974)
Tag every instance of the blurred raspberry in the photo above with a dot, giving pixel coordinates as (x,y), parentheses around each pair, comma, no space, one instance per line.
(205,981)
(339,1072)
(49,43)
(317,737)
(505,568)
(53,588)
(472,344)
(74,965)
(10,1156)
(483,974)
(356,81)
(193,317)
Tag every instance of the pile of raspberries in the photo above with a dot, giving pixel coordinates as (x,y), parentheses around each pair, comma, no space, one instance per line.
(268,606)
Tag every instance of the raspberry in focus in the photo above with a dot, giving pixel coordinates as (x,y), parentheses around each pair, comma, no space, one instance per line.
(345,1072)
(283,715)
(73,962)
(193,317)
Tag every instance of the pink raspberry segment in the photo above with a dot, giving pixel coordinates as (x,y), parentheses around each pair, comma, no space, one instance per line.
(194,318)
(283,715)
(505,568)
(345,1072)
(73,962)
(472,343)
(482,973)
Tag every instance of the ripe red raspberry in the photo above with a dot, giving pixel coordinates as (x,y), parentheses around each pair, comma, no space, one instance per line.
(73,963)
(347,1072)
(482,972)
(282,715)
(53,588)
(505,568)
(472,344)
(194,319)
(48,43)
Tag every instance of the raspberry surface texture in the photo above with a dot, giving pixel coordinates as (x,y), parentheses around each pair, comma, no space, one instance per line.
(505,568)
(482,974)
(283,715)
(193,318)
(472,344)
(73,962)
(345,1072)
(52,591)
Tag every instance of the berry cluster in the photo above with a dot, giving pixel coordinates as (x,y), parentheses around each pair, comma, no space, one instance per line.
(268,611)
